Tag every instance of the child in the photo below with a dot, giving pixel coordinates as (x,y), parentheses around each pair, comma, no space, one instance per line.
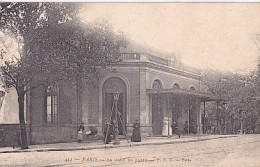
(80,136)
(80,133)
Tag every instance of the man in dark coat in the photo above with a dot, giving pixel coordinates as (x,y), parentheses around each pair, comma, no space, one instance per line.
(136,137)
(107,132)
(81,127)
(174,128)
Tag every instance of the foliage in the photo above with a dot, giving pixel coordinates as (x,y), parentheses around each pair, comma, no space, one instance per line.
(22,21)
(240,93)
(82,49)
(25,22)
(53,45)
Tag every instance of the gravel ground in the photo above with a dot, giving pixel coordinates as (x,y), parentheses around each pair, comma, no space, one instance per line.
(236,151)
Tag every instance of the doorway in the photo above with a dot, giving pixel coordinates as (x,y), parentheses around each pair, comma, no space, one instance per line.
(121,117)
(157,114)
(110,86)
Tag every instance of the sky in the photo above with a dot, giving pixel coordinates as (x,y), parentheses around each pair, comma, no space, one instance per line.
(206,35)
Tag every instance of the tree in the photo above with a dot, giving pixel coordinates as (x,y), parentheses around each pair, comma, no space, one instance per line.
(55,49)
(239,91)
(82,50)
(24,22)
(256,40)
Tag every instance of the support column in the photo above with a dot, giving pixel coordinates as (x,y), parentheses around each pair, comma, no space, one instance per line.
(144,110)
(169,115)
(145,102)
(217,128)
(199,125)
(204,117)
(188,120)
(150,108)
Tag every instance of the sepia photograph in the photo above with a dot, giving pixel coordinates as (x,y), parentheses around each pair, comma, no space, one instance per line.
(120,84)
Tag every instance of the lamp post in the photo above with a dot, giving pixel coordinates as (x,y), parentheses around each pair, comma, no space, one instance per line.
(115,121)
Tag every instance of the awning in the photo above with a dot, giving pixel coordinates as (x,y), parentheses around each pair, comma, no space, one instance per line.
(204,96)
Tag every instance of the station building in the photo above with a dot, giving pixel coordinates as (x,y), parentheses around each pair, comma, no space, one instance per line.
(153,88)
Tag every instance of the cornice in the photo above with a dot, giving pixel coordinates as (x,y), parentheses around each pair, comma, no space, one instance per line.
(160,68)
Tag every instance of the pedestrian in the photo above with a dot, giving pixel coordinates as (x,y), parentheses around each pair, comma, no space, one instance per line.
(186,127)
(80,133)
(136,136)
(180,125)
(81,127)
(107,132)
(174,128)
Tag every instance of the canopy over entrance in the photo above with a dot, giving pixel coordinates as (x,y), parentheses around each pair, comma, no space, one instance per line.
(191,93)
(189,96)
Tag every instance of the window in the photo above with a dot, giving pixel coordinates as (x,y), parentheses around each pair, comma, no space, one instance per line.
(51,105)
(192,88)
(176,86)
(157,84)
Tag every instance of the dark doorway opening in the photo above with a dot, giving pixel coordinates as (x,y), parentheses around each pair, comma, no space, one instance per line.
(157,114)
(109,99)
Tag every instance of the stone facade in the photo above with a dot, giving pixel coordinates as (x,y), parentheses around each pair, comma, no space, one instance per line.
(132,78)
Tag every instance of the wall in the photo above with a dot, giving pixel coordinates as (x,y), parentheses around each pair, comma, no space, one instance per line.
(10,135)
(93,94)
(137,79)
(169,79)
(66,129)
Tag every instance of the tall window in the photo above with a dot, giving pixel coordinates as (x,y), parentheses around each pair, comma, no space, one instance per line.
(51,103)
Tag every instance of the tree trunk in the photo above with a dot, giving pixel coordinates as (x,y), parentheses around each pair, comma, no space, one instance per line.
(225,126)
(241,126)
(24,144)
(79,99)
(218,128)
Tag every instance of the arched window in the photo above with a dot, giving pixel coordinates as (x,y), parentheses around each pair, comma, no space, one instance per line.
(176,86)
(157,84)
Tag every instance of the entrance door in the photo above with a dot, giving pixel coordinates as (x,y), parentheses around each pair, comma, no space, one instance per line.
(121,117)
(157,114)
(176,111)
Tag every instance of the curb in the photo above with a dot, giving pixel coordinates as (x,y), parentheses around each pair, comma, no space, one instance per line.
(112,146)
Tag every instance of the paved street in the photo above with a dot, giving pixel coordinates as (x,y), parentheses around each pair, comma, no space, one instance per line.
(236,151)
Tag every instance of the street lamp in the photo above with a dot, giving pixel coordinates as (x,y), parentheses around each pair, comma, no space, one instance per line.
(115,121)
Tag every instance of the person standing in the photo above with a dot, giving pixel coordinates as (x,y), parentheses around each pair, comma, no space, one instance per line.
(107,132)
(136,136)
(81,127)
(80,133)
(180,125)
(174,128)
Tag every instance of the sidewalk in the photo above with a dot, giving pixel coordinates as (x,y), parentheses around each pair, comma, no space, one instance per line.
(101,145)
